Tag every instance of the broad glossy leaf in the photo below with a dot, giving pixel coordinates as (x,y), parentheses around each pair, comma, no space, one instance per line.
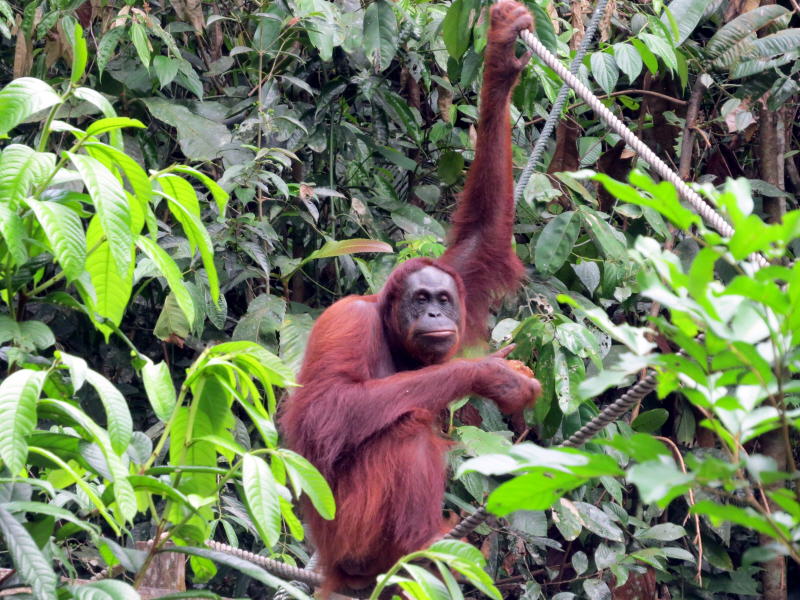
(13,231)
(22,98)
(661,47)
(220,195)
(688,14)
(628,60)
(200,138)
(380,34)
(112,208)
(97,99)
(457,25)
(22,168)
(261,494)
(18,395)
(307,478)
(741,27)
(105,589)
(110,290)
(63,228)
(196,232)
(604,70)
(556,241)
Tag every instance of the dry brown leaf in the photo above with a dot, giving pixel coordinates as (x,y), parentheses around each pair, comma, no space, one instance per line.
(191,11)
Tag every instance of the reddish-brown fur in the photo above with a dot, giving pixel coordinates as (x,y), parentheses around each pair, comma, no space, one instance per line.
(368,425)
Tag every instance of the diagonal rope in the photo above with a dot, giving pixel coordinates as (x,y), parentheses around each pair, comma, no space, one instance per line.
(555,111)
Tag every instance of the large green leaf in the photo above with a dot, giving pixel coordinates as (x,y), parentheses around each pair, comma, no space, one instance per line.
(556,241)
(220,195)
(160,389)
(457,25)
(662,48)
(261,493)
(110,290)
(98,100)
(31,564)
(628,60)
(64,231)
(18,395)
(687,13)
(22,168)
(22,98)
(79,54)
(304,476)
(604,70)
(111,205)
(200,138)
(721,45)
(199,237)
(13,231)
(380,34)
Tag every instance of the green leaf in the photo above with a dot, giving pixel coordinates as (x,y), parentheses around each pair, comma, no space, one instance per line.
(556,242)
(137,178)
(543,26)
(200,138)
(604,70)
(110,289)
(294,333)
(97,99)
(457,25)
(118,417)
(64,230)
(22,98)
(171,321)
(338,248)
(663,532)
(171,272)
(306,477)
(31,564)
(628,60)
(108,124)
(688,14)
(79,54)
(165,68)
(261,494)
(160,389)
(220,195)
(380,34)
(35,335)
(111,205)
(138,36)
(662,48)
(650,420)
(197,234)
(650,60)
(13,231)
(18,395)
(20,170)
(107,46)
(721,46)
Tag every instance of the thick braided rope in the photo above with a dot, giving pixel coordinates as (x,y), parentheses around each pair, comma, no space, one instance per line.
(273,566)
(555,111)
(709,215)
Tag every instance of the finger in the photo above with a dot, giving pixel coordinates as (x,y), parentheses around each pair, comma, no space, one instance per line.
(503,352)
(524,59)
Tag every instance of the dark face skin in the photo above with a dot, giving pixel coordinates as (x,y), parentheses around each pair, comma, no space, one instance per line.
(429,314)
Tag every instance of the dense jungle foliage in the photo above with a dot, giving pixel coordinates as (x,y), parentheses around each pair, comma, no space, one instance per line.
(185,186)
